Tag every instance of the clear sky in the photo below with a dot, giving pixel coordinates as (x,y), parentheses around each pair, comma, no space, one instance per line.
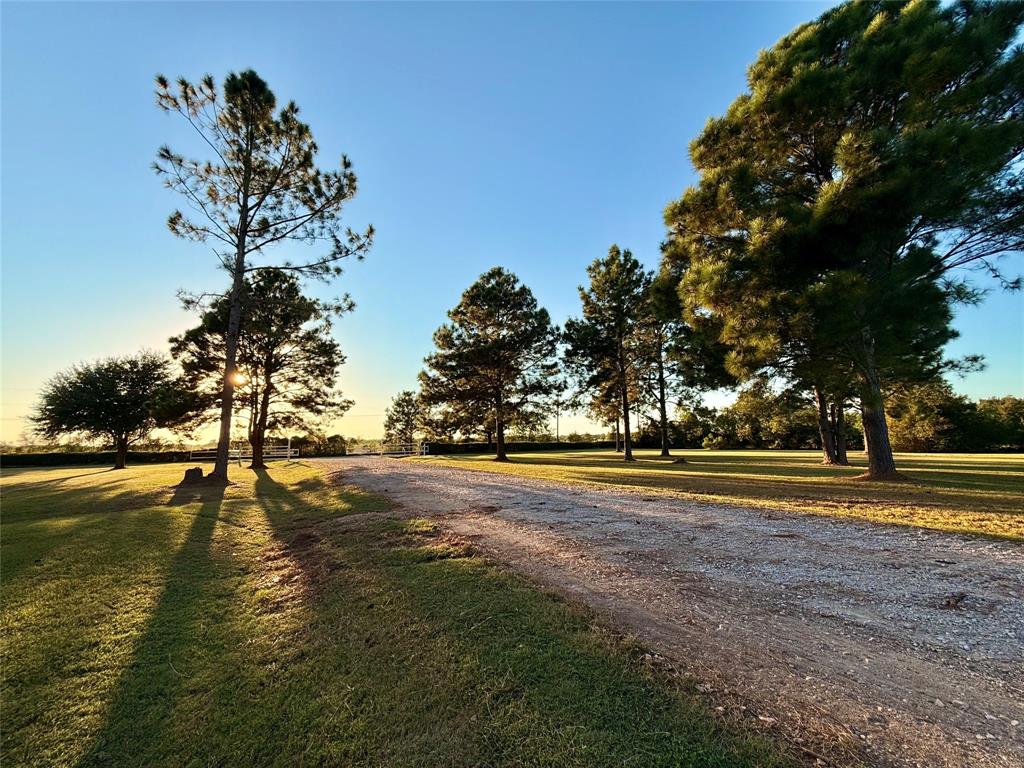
(527,135)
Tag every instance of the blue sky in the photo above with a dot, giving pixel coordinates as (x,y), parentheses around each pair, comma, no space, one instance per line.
(527,135)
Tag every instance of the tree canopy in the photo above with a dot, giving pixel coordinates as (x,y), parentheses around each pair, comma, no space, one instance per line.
(875,156)
(496,354)
(118,399)
(287,363)
(931,417)
(259,188)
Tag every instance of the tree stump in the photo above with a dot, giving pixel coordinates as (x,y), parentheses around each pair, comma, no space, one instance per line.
(193,476)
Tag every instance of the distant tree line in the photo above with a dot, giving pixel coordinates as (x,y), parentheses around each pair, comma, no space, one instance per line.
(923,418)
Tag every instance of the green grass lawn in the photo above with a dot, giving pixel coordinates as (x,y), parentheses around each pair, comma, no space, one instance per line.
(290,621)
(972,493)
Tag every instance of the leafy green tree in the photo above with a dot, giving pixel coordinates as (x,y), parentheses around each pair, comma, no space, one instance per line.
(762,417)
(604,347)
(259,188)
(691,359)
(876,155)
(1005,415)
(709,363)
(931,417)
(498,350)
(679,359)
(438,423)
(403,418)
(118,399)
(693,424)
(287,361)
(316,444)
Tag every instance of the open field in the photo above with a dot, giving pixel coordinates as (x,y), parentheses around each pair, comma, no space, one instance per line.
(969,493)
(294,620)
(892,645)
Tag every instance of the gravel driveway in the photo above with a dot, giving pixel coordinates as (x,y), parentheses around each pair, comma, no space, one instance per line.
(896,645)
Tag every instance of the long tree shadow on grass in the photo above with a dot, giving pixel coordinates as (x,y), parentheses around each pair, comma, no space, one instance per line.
(301,514)
(435,657)
(55,480)
(223,664)
(150,685)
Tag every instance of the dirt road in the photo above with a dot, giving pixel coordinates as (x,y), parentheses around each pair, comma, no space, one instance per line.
(896,645)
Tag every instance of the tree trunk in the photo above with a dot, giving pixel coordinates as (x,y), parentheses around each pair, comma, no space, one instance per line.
(881,465)
(227,394)
(257,444)
(499,435)
(839,431)
(663,404)
(617,449)
(259,436)
(627,443)
(828,444)
(227,401)
(121,455)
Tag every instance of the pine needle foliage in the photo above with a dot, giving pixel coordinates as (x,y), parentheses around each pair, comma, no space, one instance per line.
(259,187)
(875,158)
(497,354)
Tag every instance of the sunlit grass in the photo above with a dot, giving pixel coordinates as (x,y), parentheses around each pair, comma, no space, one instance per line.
(287,620)
(970,493)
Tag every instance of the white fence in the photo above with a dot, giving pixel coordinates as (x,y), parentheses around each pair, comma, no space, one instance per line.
(404,449)
(378,448)
(270,453)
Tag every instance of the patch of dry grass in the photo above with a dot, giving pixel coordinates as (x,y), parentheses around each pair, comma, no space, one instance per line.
(966,493)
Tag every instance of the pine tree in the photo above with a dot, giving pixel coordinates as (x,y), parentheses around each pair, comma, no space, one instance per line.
(497,352)
(876,155)
(604,348)
(403,418)
(261,187)
(287,360)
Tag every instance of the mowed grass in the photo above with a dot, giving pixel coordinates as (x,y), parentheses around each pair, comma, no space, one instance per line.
(287,621)
(968,493)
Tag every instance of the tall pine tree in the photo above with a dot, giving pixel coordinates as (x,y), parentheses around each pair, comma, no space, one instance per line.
(605,346)
(876,155)
(259,187)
